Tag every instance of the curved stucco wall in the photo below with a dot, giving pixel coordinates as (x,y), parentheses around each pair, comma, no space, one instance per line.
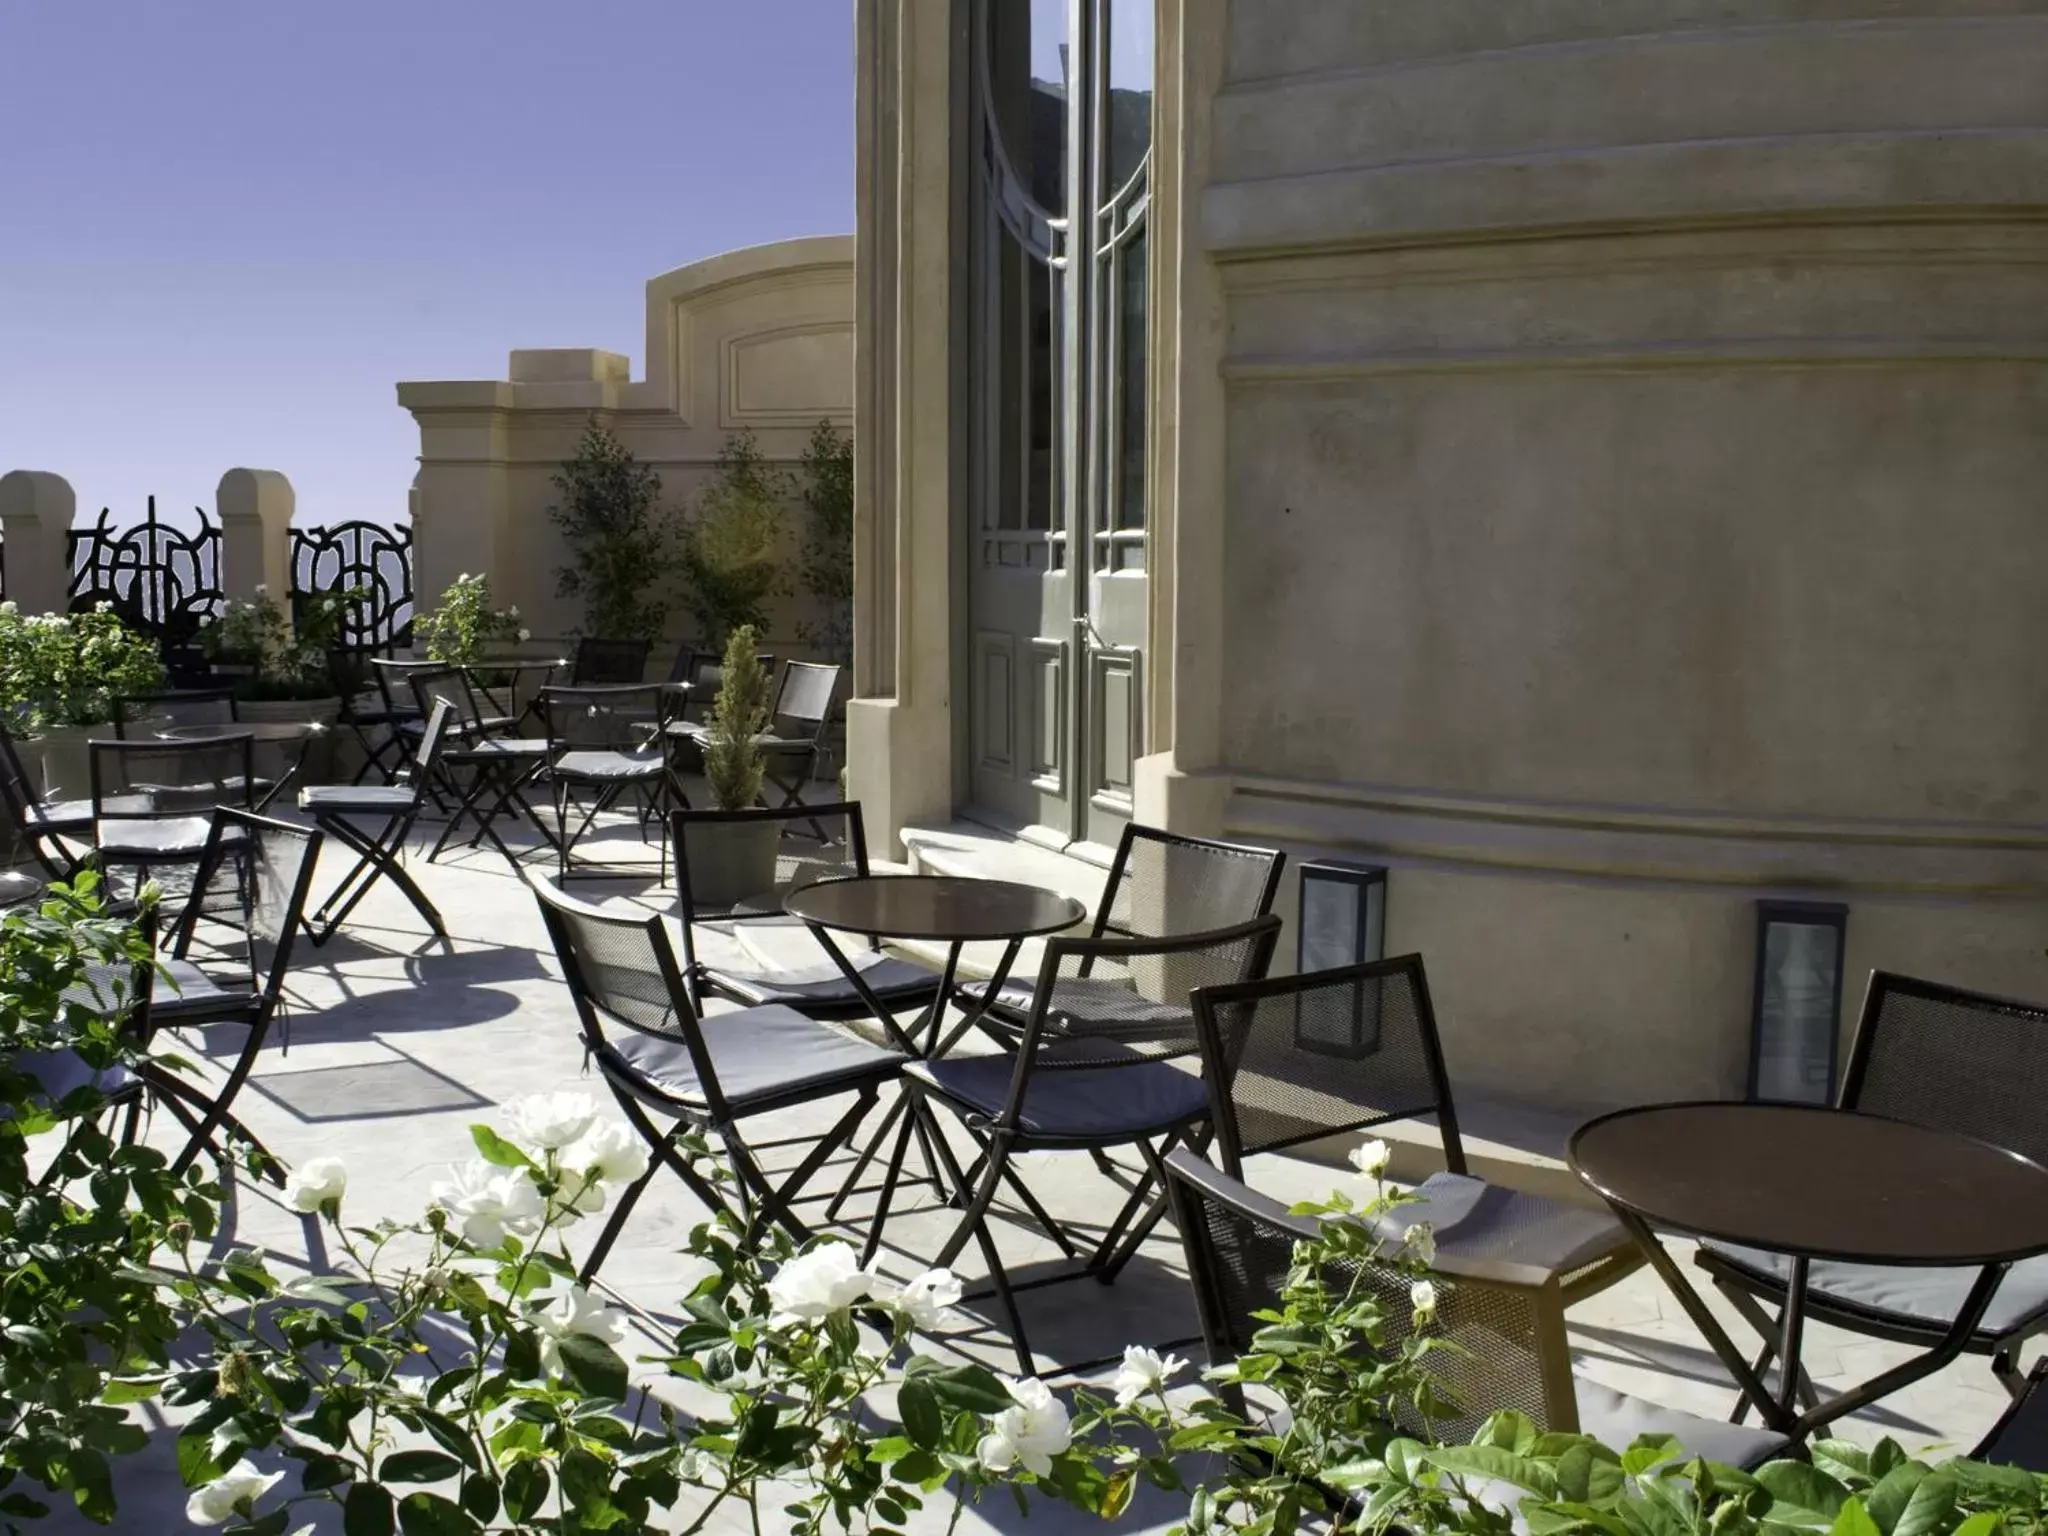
(1637,430)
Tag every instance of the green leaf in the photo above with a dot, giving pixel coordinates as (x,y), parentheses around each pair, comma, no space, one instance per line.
(1853,1520)
(1888,1500)
(196,1463)
(526,1489)
(495,1149)
(918,1405)
(1983,1523)
(1844,1460)
(1495,1462)
(272,1524)
(131,1389)
(890,1448)
(594,1366)
(367,1512)
(1650,1451)
(2012,1486)
(418,1467)
(972,1387)
(428,1514)
(1928,1511)
(1801,1495)
(321,1471)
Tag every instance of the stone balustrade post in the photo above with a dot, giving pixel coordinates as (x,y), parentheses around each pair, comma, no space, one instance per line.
(255,510)
(36,509)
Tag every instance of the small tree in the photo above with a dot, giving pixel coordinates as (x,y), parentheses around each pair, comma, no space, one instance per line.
(620,544)
(827,563)
(732,755)
(729,547)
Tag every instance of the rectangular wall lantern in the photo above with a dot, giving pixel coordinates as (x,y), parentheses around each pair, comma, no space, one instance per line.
(1343,921)
(1796,1013)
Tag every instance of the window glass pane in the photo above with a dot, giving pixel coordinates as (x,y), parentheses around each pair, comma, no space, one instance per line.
(1027,44)
(1130,90)
(1130,363)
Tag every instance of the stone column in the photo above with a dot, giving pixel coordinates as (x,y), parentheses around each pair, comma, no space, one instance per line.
(460,499)
(36,508)
(255,510)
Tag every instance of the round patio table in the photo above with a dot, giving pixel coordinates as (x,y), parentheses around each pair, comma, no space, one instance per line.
(509,673)
(278,733)
(17,888)
(1815,1183)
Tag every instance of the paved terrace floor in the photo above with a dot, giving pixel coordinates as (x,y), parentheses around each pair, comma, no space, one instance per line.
(396,1043)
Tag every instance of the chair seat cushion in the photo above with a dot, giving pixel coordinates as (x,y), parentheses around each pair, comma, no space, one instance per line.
(164,837)
(825,986)
(58,1073)
(1073,1102)
(1513,1236)
(1922,1297)
(378,799)
(1091,1005)
(77,815)
(1616,1419)
(759,1054)
(499,747)
(600,767)
(189,991)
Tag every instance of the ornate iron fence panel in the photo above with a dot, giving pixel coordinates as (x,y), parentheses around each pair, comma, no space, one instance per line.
(162,580)
(360,554)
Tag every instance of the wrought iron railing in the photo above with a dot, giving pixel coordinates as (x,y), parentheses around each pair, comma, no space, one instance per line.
(162,580)
(371,556)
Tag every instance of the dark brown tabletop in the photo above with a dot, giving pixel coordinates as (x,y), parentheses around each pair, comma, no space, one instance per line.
(1824,1183)
(951,908)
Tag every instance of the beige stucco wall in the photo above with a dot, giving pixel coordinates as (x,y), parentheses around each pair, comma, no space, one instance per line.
(1633,425)
(759,338)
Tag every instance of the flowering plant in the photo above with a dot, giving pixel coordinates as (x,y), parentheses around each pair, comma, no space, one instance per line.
(465,624)
(68,668)
(287,660)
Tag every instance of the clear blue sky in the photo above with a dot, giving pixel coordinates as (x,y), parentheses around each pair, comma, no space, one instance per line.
(229,227)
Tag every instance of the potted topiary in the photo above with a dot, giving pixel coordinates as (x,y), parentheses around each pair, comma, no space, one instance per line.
(735,860)
(59,676)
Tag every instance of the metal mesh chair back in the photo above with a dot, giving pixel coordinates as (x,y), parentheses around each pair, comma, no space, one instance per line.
(1091,1006)
(609,661)
(606,718)
(1295,1058)
(802,856)
(1508,1346)
(449,685)
(804,702)
(433,742)
(142,714)
(621,969)
(1954,1060)
(707,675)
(392,677)
(679,670)
(177,778)
(262,868)
(20,794)
(1162,884)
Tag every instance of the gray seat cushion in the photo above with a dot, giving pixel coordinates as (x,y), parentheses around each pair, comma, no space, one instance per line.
(499,747)
(1092,1005)
(164,837)
(893,981)
(188,991)
(759,1054)
(370,799)
(605,767)
(1926,1297)
(77,815)
(59,1073)
(1616,1419)
(1076,1102)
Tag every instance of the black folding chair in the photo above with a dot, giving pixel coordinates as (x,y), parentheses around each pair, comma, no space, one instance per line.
(267,867)
(596,747)
(1293,1059)
(1937,1056)
(334,808)
(370,715)
(819,989)
(154,803)
(487,771)
(1094,1070)
(1161,884)
(796,728)
(139,714)
(2020,1437)
(1504,1322)
(56,833)
(660,1058)
(614,662)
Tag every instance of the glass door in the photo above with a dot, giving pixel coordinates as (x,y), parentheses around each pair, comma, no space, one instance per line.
(1057,347)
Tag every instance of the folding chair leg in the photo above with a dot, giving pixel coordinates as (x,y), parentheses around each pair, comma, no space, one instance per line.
(881,1215)
(1107,1271)
(975,1224)
(774,1203)
(1107,1251)
(380,855)
(627,1201)
(867,1156)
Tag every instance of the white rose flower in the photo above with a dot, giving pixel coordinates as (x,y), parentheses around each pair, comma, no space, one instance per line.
(1421,1244)
(261,589)
(1422,1297)
(525,635)
(233,1493)
(1372,1159)
(1032,1432)
(488,1202)
(546,1122)
(577,1312)
(926,1299)
(814,1285)
(1144,1371)
(10,608)
(316,1184)
(512,612)
(610,1153)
